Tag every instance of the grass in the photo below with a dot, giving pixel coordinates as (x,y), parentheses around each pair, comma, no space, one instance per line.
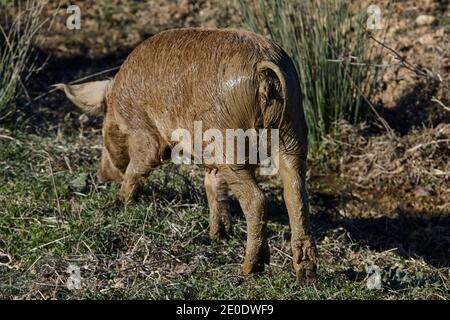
(16,49)
(330,47)
(53,214)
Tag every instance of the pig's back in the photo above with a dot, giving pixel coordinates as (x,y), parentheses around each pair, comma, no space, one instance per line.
(184,75)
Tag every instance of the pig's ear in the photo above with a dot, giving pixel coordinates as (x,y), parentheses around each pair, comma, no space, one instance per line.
(89,97)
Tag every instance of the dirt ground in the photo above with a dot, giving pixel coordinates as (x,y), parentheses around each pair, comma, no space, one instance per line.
(378,196)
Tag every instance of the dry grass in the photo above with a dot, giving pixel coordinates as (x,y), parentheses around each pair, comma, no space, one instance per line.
(17,35)
(414,166)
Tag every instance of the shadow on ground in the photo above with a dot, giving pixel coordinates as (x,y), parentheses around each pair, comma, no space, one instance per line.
(422,235)
(412,235)
(416,109)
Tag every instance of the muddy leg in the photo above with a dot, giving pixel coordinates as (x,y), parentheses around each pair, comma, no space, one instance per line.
(132,183)
(219,208)
(115,156)
(293,171)
(253,203)
(144,156)
(108,171)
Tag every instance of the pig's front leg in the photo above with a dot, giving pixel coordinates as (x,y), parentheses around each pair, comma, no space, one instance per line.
(143,148)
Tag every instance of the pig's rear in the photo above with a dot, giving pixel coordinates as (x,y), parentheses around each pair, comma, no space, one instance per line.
(227,80)
(224,78)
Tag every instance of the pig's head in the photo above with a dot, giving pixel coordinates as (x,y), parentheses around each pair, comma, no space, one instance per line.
(92,97)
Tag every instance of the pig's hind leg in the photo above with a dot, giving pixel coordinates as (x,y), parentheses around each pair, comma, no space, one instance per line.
(293,174)
(253,203)
(219,207)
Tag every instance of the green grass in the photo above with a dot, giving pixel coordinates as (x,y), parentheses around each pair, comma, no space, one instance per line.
(53,214)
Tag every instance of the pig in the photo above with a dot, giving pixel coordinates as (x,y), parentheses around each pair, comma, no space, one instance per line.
(225,78)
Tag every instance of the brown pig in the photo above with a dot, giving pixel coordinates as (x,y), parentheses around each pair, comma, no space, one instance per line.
(227,79)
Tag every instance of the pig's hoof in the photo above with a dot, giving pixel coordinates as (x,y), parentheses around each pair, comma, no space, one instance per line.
(250,267)
(131,194)
(255,263)
(221,229)
(306,273)
(129,197)
(217,233)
